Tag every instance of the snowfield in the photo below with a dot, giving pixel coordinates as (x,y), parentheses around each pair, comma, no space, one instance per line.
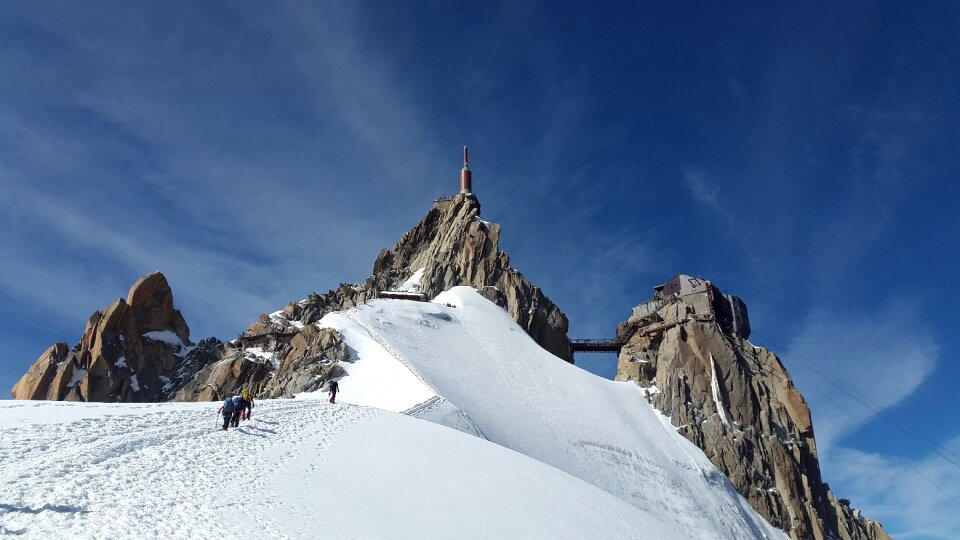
(451,423)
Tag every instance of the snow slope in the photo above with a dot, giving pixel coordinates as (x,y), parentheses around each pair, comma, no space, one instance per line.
(299,469)
(539,449)
(493,380)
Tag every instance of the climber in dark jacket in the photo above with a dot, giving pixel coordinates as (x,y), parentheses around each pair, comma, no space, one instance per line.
(227,410)
(237,411)
(334,387)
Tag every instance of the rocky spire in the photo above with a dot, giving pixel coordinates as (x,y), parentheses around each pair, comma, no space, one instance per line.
(452,246)
(137,349)
(737,402)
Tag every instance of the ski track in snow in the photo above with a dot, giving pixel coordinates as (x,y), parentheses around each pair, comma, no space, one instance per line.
(57,480)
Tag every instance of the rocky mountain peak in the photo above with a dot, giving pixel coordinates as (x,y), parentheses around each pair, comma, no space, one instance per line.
(452,246)
(688,348)
(150,303)
(137,349)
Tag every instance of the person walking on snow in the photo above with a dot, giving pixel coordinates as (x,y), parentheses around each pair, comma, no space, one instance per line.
(247,404)
(237,410)
(334,387)
(227,410)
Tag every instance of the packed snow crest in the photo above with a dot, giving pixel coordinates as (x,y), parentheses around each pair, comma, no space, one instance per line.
(451,422)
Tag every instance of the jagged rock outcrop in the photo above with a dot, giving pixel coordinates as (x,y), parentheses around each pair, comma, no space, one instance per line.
(136,350)
(311,358)
(689,347)
(271,365)
(139,350)
(452,246)
(226,377)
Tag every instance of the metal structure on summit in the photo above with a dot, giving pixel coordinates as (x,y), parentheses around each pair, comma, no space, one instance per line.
(466,180)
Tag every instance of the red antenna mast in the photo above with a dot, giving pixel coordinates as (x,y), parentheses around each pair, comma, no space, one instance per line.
(466,181)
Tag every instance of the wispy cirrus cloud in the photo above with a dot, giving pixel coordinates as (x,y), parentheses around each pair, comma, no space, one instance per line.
(919,494)
(842,357)
(706,191)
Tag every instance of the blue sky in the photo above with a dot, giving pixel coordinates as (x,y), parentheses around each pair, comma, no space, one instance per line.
(803,157)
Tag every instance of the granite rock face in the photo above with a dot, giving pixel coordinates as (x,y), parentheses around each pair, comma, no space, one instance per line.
(452,246)
(737,403)
(136,350)
(271,365)
(311,358)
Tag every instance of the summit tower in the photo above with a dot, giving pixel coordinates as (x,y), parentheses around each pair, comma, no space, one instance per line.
(466,182)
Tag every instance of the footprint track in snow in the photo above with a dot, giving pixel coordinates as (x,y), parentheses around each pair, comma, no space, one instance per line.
(193,480)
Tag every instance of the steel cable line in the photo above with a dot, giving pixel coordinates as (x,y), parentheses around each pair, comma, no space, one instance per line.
(869,404)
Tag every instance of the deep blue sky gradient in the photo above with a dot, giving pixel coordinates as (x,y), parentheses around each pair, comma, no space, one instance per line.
(801,156)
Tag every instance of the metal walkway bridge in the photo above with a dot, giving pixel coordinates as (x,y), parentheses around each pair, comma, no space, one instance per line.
(595,345)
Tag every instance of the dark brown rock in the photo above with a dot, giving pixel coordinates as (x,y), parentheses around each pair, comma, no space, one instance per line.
(226,377)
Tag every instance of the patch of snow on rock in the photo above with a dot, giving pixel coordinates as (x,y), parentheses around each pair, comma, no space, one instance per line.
(263,355)
(171,339)
(76,378)
(413,283)
(717,397)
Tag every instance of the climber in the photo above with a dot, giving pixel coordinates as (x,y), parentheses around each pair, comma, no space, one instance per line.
(334,387)
(227,410)
(237,410)
(247,404)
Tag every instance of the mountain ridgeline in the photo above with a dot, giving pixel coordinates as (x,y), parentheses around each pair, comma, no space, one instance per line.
(687,347)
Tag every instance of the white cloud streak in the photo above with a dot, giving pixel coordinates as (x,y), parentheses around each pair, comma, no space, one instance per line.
(918,497)
(881,357)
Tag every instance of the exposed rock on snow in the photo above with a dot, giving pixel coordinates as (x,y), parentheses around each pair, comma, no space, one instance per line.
(309,360)
(449,247)
(136,350)
(225,377)
(738,404)
(271,365)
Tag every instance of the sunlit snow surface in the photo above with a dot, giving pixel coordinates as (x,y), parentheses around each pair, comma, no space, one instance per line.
(539,449)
